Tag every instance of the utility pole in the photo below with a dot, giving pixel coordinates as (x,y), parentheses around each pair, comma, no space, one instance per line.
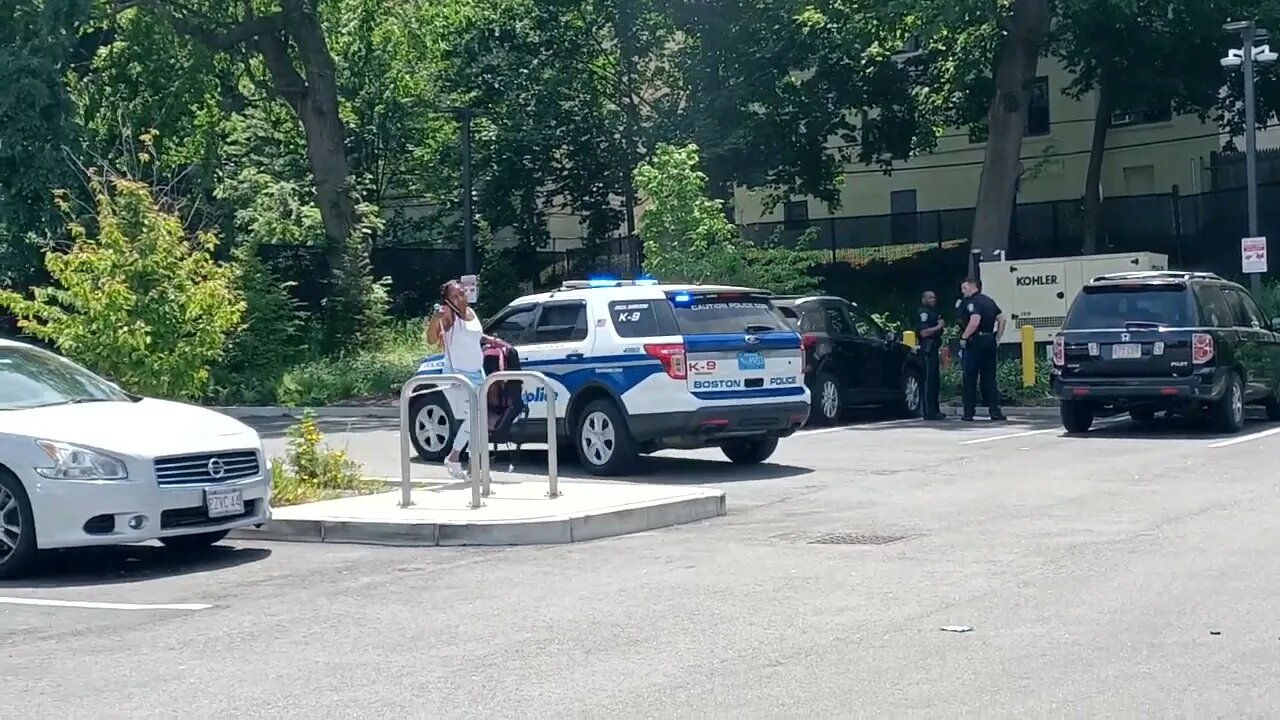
(1248,34)
(468,216)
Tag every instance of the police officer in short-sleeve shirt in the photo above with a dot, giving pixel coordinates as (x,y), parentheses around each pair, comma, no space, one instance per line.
(929,326)
(979,336)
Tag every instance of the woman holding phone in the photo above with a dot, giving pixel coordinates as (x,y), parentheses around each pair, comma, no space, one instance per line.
(457,329)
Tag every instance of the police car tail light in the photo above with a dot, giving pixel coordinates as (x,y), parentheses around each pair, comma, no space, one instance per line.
(672,359)
(1201,348)
(1059,351)
(807,341)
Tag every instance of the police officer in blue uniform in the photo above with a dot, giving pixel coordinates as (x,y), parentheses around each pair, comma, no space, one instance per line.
(979,336)
(929,326)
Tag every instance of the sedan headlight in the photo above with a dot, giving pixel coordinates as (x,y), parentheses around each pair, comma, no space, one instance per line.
(76,463)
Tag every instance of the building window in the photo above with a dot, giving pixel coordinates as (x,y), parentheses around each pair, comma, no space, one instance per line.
(795,215)
(1157,112)
(1038,122)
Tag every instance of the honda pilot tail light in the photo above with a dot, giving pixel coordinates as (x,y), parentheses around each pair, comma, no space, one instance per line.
(1059,351)
(1201,348)
(672,359)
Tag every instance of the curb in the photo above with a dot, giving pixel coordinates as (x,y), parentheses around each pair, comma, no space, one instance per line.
(553,531)
(270,411)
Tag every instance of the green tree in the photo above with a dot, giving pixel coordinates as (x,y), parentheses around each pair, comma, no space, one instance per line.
(137,298)
(1138,56)
(38,133)
(688,238)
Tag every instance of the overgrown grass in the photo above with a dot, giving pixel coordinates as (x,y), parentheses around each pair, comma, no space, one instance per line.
(370,374)
(312,471)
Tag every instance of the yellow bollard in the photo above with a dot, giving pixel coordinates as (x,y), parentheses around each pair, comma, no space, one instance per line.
(1028,356)
(909,338)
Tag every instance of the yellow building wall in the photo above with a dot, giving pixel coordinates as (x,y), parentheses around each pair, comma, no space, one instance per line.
(1140,159)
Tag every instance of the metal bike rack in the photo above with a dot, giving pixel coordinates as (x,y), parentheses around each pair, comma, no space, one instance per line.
(441,382)
(553,466)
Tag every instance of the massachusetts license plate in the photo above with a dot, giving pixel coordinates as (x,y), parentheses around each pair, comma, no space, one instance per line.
(1127,351)
(224,502)
(750,361)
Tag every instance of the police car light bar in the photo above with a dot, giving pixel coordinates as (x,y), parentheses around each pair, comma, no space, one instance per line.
(605,283)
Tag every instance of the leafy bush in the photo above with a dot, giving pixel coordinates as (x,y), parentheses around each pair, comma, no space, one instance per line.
(269,342)
(378,372)
(688,237)
(137,300)
(311,471)
(1269,300)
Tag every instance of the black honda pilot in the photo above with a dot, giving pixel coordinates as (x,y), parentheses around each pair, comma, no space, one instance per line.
(1180,342)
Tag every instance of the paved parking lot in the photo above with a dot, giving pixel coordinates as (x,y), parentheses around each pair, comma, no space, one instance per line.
(1126,572)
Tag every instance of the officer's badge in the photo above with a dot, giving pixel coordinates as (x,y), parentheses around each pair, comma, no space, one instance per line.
(924,317)
(970,307)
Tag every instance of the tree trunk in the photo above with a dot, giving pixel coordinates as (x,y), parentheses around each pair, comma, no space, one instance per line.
(316,105)
(1019,53)
(1093,177)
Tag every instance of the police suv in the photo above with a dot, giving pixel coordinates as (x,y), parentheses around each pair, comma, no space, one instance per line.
(639,367)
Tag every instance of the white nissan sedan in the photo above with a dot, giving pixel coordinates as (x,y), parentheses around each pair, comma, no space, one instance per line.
(84,463)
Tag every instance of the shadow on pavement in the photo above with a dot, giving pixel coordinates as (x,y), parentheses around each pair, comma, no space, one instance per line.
(119,564)
(1177,428)
(655,469)
(981,422)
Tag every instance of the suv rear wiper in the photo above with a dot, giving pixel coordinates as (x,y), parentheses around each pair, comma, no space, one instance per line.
(756,327)
(1142,324)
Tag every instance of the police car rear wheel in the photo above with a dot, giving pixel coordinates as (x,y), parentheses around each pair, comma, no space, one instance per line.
(829,402)
(431,427)
(749,452)
(604,444)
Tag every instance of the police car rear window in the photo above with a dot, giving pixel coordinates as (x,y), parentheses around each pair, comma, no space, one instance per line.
(1098,308)
(714,314)
(636,318)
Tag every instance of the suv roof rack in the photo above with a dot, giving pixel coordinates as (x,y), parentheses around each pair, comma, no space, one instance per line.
(1157,275)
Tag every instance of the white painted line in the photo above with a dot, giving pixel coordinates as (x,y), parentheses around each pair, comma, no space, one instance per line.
(841,428)
(1010,436)
(97,605)
(1247,438)
(1029,433)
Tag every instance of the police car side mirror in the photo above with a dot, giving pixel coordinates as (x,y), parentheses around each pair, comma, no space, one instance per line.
(1275,324)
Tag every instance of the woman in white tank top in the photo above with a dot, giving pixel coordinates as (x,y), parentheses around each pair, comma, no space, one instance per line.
(458,329)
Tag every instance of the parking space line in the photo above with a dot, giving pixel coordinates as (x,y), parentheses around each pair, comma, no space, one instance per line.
(855,426)
(1246,438)
(1028,433)
(1009,436)
(86,605)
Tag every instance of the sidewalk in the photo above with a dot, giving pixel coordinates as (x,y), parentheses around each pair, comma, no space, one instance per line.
(517,513)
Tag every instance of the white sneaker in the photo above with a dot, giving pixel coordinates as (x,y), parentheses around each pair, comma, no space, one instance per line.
(455,470)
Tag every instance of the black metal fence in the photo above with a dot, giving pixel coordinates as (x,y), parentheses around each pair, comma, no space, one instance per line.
(1197,232)
(414,274)
(883,261)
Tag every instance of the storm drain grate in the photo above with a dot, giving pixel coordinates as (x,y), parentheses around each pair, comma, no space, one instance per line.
(841,538)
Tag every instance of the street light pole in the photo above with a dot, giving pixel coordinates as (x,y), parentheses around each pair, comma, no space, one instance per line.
(1250,146)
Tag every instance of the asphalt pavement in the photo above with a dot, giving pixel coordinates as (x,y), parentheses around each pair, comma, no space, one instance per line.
(1122,573)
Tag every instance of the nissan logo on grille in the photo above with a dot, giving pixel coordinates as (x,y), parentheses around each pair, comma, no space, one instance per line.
(216,468)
